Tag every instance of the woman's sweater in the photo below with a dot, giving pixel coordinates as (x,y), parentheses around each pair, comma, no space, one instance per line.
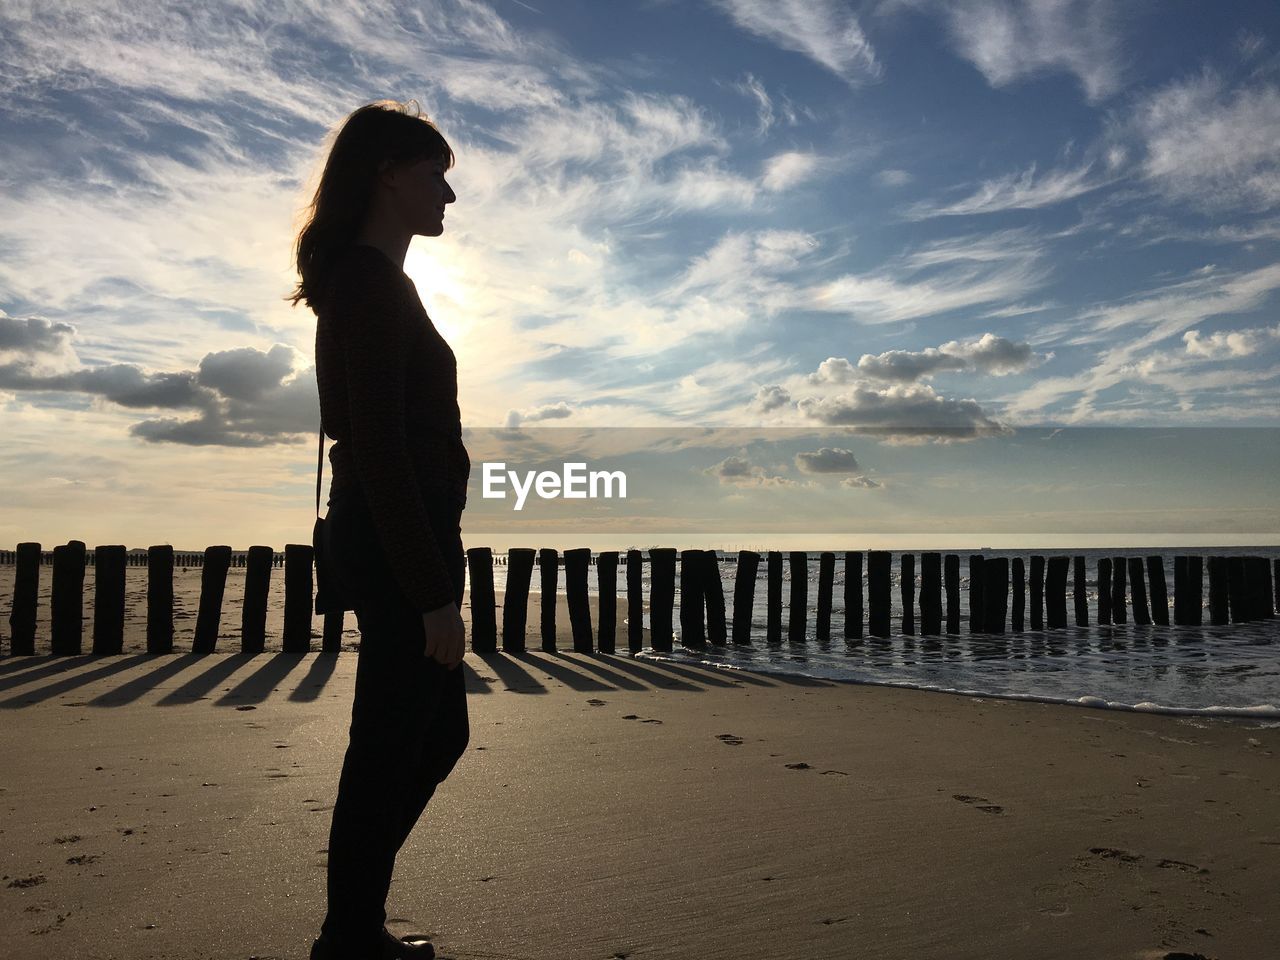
(389,399)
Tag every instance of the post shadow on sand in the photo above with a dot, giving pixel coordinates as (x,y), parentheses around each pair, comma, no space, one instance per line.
(117,665)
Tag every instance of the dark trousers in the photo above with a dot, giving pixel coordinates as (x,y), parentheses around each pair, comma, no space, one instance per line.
(408,720)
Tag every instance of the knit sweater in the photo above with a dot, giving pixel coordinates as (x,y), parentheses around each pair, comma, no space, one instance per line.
(389,398)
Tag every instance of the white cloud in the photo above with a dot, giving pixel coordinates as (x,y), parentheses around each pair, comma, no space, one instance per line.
(893,178)
(823,30)
(1015,191)
(828,460)
(987,354)
(1224,344)
(1210,146)
(903,411)
(769,398)
(1008,40)
(784,170)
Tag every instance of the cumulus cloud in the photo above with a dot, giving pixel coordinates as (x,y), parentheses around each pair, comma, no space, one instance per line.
(33,335)
(246,373)
(1224,344)
(741,472)
(827,460)
(833,370)
(987,354)
(859,483)
(826,31)
(902,411)
(769,398)
(550,411)
(245,396)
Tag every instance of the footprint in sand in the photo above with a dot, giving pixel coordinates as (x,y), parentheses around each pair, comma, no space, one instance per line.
(731,739)
(596,703)
(1180,865)
(1110,853)
(983,804)
(799,766)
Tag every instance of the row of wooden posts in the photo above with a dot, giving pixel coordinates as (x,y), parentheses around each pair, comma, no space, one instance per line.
(1240,590)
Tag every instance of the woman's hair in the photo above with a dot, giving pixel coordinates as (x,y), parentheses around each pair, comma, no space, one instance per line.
(380,133)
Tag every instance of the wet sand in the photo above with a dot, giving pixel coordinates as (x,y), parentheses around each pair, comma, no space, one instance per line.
(178,806)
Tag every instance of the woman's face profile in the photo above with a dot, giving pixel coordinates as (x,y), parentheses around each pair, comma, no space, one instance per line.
(425,192)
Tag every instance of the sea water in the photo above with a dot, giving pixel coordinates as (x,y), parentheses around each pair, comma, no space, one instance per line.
(1230,670)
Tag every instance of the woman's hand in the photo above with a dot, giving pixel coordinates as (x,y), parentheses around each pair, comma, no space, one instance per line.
(445,640)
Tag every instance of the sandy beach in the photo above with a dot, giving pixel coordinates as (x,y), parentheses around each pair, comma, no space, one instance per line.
(610,808)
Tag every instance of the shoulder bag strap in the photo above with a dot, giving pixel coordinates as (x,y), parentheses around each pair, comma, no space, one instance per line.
(319,470)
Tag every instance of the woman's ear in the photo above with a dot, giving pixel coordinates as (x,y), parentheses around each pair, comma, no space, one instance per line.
(389,173)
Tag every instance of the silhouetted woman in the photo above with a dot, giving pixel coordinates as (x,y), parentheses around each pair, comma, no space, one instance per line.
(388,398)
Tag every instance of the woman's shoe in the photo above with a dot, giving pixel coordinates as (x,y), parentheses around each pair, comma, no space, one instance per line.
(412,947)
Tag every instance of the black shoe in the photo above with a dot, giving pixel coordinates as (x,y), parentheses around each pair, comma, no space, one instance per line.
(390,947)
(410,947)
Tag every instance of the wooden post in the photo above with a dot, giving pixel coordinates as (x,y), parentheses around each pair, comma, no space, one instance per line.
(213,584)
(798,605)
(257,590)
(26,593)
(995,593)
(484,604)
(299,599)
(1139,592)
(1037,592)
(67,599)
(907,591)
(331,631)
(108,599)
(607,581)
(1104,591)
(1256,574)
(576,562)
(930,594)
(878,588)
(549,573)
(662,597)
(1237,590)
(713,589)
(951,581)
(160,599)
(1055,590)
(773,615)
(1019,595)
(1266,606)
(975,593)
(515,599)
(826,580)
(853,595)
(744,594)
(1195,591)
(1218,608)
(1179,590)
(635,600)
(1117,590)
(692,600)
(1159,591)
(1080,591)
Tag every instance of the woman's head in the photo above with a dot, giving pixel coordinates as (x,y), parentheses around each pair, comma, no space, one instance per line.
(381,137)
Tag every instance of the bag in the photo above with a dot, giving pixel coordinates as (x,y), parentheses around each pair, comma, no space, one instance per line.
(329,594)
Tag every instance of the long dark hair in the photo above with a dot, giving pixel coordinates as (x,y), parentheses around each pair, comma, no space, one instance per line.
(379,133)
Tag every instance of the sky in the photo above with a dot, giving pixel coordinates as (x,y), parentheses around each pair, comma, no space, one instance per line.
(932,272)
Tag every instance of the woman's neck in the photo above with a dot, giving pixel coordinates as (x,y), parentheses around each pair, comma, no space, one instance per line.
(393,244)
